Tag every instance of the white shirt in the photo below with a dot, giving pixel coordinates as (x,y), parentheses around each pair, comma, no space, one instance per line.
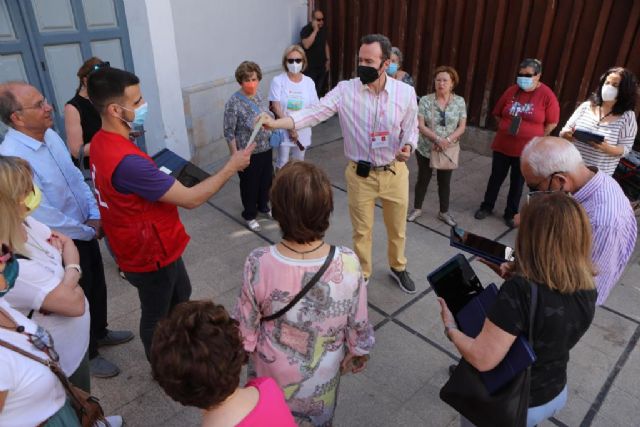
(34,392)
(38,276)
(294,96)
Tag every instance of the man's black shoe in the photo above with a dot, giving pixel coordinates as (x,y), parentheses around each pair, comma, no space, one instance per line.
(482,213)
(404,281)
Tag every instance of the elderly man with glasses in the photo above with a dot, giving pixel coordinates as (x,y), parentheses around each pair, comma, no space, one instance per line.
(67,203)
(553,164)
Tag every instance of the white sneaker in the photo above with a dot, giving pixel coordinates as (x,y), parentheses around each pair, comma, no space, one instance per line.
(415,214)
(112,421)
(447,218)
(266,214)
(253,225)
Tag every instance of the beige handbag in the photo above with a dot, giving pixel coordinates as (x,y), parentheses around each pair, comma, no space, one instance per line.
(447,159)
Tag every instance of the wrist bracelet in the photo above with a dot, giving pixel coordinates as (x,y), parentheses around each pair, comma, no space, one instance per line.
(75,267)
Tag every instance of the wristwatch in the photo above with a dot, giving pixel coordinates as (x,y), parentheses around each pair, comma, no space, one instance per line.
(75,267)
(448,327)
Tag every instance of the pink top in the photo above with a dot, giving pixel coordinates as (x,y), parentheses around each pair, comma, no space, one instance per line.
(393,112)
(271,408)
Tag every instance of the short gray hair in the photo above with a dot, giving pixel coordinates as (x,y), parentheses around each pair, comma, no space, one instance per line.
(536,64)
(396,51)
(8,102)
(547,155)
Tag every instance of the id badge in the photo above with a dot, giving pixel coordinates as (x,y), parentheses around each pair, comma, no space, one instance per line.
(379,139)
(514,127)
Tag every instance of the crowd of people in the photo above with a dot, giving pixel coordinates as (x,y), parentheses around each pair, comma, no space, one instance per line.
(301,318)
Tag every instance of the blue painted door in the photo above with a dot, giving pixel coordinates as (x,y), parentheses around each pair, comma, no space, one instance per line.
(45,42)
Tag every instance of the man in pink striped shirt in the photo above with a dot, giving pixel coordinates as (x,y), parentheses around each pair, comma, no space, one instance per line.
(379,121)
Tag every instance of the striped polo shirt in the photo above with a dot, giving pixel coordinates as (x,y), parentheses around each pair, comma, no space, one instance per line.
(614,229)
(618,132)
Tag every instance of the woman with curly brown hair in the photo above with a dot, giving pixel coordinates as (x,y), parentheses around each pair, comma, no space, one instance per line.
(196,357)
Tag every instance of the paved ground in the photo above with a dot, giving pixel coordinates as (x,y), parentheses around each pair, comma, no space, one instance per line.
(409,363)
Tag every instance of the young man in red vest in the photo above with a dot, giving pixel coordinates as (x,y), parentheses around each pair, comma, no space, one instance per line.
(138,202)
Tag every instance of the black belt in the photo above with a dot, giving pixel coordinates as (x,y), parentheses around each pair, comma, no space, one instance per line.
(383,168)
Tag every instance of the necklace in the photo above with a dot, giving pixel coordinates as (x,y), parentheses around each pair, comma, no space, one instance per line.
(605,116)
(301,252)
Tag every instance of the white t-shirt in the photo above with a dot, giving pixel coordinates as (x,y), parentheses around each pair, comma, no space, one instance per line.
(35,393)
(294,96)
(38,276)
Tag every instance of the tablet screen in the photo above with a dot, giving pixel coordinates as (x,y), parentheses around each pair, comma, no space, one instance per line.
(482,244)
(455,282)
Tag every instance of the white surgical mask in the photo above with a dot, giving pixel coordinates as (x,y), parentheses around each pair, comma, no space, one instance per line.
(294,68)
(609,93)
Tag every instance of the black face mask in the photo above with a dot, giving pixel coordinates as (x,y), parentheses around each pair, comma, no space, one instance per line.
(368,74)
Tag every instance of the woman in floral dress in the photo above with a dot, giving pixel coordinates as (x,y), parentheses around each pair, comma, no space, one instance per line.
(328,330)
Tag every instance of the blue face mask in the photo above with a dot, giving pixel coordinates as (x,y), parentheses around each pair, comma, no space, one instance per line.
(392,69)
(10,273)
(140,114)
(524,82)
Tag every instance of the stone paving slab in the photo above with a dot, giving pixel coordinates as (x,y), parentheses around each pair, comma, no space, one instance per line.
(409,363)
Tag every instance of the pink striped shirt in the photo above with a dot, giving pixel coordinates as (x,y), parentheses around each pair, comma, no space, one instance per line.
(362,112)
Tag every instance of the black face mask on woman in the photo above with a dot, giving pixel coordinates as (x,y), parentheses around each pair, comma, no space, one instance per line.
(368,74)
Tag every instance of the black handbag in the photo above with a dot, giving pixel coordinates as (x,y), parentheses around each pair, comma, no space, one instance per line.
(466,393)
(307,287)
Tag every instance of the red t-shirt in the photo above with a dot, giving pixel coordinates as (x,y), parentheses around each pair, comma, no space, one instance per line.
(537,109)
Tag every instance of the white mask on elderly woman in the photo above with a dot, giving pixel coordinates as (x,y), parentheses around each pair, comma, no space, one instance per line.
(294,68)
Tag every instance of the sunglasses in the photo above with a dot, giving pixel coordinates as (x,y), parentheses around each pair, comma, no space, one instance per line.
(292,60)
(526,75)
(43,341)
(6,254)
(105,64)
(319,19)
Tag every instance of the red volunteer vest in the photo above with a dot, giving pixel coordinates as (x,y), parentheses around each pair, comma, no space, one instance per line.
(144,236)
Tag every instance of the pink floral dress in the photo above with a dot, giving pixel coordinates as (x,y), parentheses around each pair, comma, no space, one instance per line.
(302,349)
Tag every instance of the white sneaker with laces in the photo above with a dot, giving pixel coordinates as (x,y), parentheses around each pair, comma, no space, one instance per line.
(447,218)
(414,214)
(253,225)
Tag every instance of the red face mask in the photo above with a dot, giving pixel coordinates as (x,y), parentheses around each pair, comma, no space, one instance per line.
(250,88)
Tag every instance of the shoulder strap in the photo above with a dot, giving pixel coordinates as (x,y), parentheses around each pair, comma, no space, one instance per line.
(53,366)
(25,353)
(306,289)
(532,310)
(251,104)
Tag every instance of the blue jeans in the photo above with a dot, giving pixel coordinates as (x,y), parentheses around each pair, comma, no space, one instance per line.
(536,414)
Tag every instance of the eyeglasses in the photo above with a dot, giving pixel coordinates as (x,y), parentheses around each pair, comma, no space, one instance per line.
(40,105)
(443,119)
(292,60)
(100,65)
(43,341)
(526,75)
(533,188)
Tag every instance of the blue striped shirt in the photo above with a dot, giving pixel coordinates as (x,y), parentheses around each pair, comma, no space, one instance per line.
(614,229)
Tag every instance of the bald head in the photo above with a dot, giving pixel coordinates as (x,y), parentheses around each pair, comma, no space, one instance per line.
(25,109)
(9,103)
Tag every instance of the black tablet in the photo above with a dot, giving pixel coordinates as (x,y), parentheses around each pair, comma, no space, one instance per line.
(480,246)
(586,136)
(455,282)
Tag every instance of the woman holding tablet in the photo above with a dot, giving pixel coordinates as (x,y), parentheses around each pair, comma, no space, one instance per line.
(551,225)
